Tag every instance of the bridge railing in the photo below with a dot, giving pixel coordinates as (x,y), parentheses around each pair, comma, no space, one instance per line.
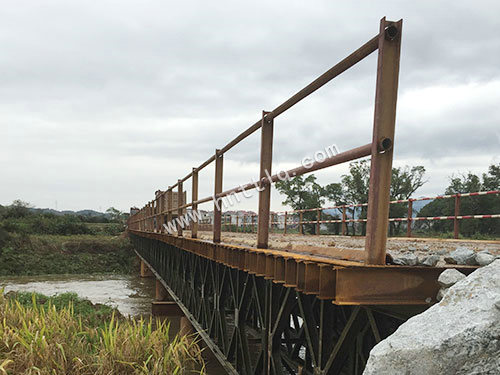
(285,219)
(388,42)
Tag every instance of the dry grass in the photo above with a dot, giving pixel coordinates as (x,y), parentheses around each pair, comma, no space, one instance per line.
(48,340)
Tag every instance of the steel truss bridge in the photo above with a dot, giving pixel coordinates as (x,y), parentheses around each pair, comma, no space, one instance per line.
(265,311)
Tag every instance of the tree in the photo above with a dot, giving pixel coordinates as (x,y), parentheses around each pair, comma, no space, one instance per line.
(303,193)
(475,205)
(354,188)
(18,209)
(404,182)
(115,215)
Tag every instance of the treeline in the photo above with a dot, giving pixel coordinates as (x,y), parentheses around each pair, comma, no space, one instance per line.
(305,193)
(20,218)
(475,205)
(33,243)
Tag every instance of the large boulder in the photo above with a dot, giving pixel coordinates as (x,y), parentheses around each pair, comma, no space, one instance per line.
(459,335)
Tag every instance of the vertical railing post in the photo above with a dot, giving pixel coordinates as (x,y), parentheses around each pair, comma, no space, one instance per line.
(409,218)
(148,219)
(284,225)
(169,205)
(219,159)
(157,215)
(237,223)
(301,231)
(162,209)
(180,202)
(318,219)
(266,159)
(389,45)
(243,223)
(456,223)
(194,207)
(344,216)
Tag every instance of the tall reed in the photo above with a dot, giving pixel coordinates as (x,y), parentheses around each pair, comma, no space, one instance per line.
(45,340)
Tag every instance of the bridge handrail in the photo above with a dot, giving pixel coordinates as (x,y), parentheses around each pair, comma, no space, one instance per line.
(409,218)
(387,42)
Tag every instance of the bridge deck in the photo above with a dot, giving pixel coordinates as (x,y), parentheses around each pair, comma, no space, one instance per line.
(351,248)
(322,273)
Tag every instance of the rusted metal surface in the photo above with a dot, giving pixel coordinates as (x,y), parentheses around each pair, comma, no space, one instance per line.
(342,281)
(166,308)
(217,189)
(194,198)
(389,45)
(145,271)
(266,160)
(375,285)
(161,294)
(179,205)
(169,205)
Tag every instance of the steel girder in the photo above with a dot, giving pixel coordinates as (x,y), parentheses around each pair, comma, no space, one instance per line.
(257,326)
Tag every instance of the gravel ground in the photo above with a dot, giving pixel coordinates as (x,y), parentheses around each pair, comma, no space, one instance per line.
(318,245)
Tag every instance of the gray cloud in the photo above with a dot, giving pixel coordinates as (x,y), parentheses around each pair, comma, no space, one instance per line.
(100,104)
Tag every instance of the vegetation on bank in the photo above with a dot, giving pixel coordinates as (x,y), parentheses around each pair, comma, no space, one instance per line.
(67,335)
(45,254)
(33,243)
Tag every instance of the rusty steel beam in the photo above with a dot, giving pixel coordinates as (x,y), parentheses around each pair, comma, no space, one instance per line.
(341,281)
(166,308)
(180,197)
(217,189)
(389,46)
(384,285)
(194,198)
(266,161)
(169,205)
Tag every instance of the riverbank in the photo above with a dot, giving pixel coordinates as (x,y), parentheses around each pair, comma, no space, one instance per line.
(68,335)
(70,254)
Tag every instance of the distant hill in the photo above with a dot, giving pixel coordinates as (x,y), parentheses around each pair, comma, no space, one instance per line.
(90,213)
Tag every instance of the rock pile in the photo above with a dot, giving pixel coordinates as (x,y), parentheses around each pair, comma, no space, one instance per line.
(460,335)
(460,256)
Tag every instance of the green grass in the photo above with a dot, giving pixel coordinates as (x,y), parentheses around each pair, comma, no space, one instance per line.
(94,315)
(57,336)
(54,254)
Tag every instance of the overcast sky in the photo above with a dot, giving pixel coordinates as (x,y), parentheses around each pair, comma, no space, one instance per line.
(102,103)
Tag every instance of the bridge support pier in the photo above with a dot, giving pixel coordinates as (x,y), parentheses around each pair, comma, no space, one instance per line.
(186,328)
(161,294)
(145,271)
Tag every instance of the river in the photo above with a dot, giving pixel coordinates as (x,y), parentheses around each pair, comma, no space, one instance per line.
(130,294)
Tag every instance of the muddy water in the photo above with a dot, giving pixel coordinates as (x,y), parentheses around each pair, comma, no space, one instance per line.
(130,294)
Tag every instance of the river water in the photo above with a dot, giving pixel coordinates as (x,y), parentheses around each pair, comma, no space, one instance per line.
(130,294)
